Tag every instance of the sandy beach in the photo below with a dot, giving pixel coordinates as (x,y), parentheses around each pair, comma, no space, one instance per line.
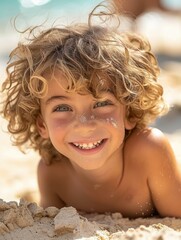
(22,219)
(28,221)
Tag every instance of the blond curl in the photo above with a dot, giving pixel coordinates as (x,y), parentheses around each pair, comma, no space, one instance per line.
(93,59)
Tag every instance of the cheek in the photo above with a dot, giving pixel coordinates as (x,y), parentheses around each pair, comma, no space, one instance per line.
(114,123)
(113,119)
(57,126)
(60,122)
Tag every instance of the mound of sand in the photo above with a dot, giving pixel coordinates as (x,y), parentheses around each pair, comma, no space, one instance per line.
(29,221)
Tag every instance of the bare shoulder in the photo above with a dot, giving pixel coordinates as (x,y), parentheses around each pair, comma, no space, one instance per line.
(150,153)
(147,135)
(149,149)
(148,142)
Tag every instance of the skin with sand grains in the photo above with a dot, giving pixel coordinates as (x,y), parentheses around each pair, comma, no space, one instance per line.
(84,100)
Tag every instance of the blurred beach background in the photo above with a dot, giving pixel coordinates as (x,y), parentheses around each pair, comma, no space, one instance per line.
(163,29)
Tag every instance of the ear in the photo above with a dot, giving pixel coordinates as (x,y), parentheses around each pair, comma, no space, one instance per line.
(42,128)
(129,125)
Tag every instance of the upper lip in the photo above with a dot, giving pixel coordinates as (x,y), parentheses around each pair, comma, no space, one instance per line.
(86,140)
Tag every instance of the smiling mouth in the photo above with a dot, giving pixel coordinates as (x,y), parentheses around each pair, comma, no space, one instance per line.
(88,146)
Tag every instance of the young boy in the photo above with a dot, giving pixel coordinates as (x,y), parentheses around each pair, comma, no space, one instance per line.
(83,96)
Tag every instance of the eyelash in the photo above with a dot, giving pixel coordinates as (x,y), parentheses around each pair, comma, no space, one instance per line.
(66,108)
(58,108)
(105,103)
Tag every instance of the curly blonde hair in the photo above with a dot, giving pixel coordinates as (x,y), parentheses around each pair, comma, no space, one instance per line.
(84,54)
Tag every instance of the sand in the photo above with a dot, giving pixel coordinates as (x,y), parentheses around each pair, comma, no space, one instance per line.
(28,221)
(22,219)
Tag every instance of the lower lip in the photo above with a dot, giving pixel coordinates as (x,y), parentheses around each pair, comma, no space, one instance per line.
(90,151)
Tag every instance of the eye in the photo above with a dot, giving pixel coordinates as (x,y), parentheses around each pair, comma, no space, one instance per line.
(103,103)
(62,108)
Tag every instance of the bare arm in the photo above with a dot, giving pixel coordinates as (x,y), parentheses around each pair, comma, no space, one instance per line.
(48,195)
(164,177)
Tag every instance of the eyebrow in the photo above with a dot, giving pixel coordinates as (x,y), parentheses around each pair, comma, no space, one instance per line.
(53,98)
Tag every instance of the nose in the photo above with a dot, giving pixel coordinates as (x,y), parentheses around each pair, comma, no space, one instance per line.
(86,122)
(86,119)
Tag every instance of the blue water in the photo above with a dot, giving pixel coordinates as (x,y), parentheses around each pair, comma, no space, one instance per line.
(9,9)
(59,11)
(172,4)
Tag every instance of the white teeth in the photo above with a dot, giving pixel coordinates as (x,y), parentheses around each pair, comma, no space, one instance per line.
(88,145)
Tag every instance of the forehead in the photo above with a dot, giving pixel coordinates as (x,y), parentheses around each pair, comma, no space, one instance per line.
(98,81)
(56,77)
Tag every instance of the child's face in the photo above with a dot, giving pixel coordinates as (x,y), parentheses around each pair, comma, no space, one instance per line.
(86,130)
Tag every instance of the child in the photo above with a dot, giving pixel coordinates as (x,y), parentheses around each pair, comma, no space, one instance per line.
(83,96)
